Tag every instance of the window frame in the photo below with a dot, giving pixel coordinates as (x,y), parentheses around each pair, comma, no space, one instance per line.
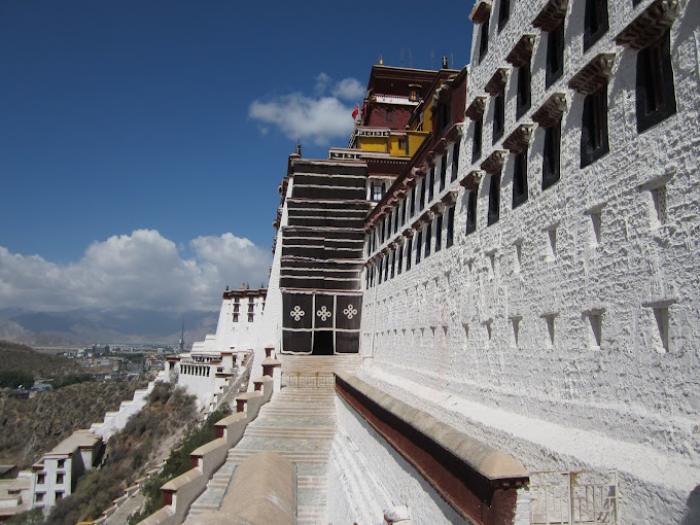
(596,11)
(524,90)
(450,236)
(659,73)
(595,140)
(472,205)
(483,48)
(494,209)
(438,232)
(478,139)
(555,51)
(455,160)
(499,116)
(520,179)
(551,156)
(503,14)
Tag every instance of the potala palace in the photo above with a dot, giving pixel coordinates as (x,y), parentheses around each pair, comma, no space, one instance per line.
(485,309)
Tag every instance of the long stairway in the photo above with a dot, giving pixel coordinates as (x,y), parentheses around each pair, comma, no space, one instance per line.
(299,423)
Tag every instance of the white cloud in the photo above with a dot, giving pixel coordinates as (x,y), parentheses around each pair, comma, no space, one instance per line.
(140,270)
(320,118)
(349,89)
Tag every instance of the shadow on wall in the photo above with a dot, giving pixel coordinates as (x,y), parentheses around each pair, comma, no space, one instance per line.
(692,513)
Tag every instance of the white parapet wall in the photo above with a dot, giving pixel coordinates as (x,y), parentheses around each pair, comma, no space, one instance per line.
(115,420)
(567,331)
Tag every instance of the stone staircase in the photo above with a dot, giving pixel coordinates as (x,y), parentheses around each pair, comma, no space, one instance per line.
(299,423)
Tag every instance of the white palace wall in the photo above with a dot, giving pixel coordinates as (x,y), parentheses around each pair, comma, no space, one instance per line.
(443,333)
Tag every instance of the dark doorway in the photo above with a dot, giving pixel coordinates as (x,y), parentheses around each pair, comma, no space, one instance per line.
(323,342)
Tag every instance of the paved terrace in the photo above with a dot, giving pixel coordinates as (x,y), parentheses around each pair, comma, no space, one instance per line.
(299,423)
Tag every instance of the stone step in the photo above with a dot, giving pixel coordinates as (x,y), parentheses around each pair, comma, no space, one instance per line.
(294,457)
(327,432)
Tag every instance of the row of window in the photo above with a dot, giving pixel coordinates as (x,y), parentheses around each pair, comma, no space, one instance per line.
(392,264)
(660,333)
(654,87)
(193,370)
(415,202)
(41,478)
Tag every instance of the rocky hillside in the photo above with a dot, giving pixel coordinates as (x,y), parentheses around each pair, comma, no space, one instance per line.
(23,358)
(30,427)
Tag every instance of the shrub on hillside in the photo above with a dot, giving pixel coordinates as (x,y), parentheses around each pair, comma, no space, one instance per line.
(127,454)
(177,463)
(15,379)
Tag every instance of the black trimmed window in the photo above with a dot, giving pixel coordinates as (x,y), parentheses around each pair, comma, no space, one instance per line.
(484,40)
(595,22)
(477,138)
(594,128)
(444,115)
(656,94)
(393,263)
(520,179)
(428,239)
(499,115)
(449,241)
(443,171)
(494,199)
(423,185)
(503,14)
(438,233)
(524,97)
(471,211)
(409,253)
(396,219)
(400,266)
(386,268)
(555,54)
(381,271)
(551,156)
(455,160)
(413,201)
(419,245)
(431,184)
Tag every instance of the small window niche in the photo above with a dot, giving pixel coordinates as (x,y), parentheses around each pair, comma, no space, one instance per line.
(465,328)
(550,325)
(492,263)
(515,321)
(488,331)
(551,243)
(517,256)
(595,216)
(656,198)
(595,328)
(661,329)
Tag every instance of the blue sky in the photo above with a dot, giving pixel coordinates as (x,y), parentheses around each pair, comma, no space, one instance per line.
(176,117)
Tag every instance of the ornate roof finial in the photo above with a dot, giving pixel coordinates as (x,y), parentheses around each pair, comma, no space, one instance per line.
(445,62)
(381,60)
(297,150)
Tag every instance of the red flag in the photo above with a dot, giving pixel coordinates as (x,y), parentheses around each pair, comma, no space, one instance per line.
(355,112)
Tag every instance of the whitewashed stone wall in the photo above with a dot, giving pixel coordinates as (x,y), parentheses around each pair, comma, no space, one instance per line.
(444,331)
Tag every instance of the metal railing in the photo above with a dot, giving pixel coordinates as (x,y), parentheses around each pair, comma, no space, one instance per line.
(573,498)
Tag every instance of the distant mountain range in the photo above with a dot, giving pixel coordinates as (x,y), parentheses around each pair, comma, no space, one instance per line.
(78,327)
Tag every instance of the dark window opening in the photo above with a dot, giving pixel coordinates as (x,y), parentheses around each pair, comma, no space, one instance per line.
(656,94)
(450,227)
(471,212)
(520,179)
(595,22)
(551,156)
(393,263)
(494,199)
(400,268)
(484,40)
(503,14)
(438,233)
(386,268)
(419,245)
(423,185)
(498,116)
(594,129)
(444,115)
(409,253)
(524,90)
(455,160)
(428,238)
(555,54)
(443,171)
(413,201)
(431,184)
(478,133)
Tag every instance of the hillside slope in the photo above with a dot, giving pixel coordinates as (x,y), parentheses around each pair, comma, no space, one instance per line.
(14,356)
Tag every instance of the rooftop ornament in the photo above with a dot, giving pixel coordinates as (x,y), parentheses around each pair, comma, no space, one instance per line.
(551,15)
(551,111)
(494,162)
(497,81)
(522,52)
(476,109)
(481,11)
(519,140)
(648,27)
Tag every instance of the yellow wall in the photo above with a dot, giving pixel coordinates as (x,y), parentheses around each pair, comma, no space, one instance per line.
(372,144)
(395,149)
(415,139)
